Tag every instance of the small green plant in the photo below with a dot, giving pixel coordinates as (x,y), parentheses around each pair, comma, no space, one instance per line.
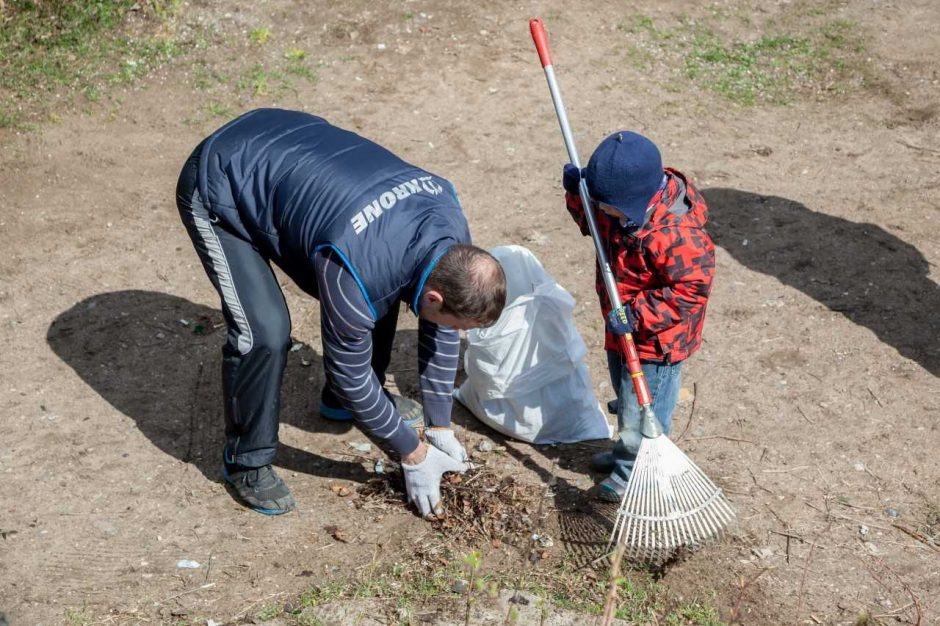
(638,602)
(297,64)
(472,561)
(694,614)
(217,109)
(321,594)
(76,617)
(864,618)
(257,80)
(542,605)
(404,610)
(167,9)
(270,612)
(638,23)
(259,36)
(295,54)
(492,590)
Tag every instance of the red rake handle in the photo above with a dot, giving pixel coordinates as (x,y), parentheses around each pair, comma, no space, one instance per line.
(541,41)
(627,344)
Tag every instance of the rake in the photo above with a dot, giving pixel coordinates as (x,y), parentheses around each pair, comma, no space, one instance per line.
(669,502)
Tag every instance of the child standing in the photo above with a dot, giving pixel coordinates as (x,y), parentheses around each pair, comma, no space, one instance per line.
(651,222)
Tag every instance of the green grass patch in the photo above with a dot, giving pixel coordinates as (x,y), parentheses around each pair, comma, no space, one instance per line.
(231,87)
(77,617)
(408,586)
(773,67)
(799,53)
(259,36)
(695,613)
(60,49)
(269,612)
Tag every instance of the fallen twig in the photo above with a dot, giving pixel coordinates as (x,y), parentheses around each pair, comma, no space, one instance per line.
(786,470)
(895,611)
(919,536)
(800,538)
(809,559)
(803,413)
(188,591)
(602,557)
(914,599)
(723,437)
(877,399)
(610,604)
(831,514)
(743,588)
(759,486)
(916,147)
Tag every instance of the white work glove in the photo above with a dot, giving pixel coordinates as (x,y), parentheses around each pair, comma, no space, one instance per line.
(446,441)
(423,480)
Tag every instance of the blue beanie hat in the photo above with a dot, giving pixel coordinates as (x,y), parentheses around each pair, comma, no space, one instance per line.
(625,171)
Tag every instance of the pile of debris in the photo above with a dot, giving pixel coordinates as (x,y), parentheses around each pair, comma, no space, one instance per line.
(477,505)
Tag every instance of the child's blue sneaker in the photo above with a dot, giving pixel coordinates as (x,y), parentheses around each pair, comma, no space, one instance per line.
(610,490)
(411,412)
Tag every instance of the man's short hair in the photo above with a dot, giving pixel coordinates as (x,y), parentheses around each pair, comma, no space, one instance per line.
(472,282)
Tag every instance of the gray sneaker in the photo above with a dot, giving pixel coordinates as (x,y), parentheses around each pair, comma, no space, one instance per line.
(412,413)
(260,488)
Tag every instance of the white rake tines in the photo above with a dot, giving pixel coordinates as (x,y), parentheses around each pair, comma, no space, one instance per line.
(669,503)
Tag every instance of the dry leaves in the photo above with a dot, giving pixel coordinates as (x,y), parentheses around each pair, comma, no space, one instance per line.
(341,490)
(337,533)
(478,503)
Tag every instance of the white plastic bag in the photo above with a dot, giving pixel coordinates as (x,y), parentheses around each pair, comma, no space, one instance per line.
(526,375)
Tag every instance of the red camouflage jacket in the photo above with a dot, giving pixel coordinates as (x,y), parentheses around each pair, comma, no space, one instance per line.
(663,270)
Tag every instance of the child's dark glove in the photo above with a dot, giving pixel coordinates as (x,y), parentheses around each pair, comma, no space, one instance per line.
(620,321)
(570,178)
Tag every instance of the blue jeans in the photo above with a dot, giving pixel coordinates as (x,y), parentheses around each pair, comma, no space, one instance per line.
(664,380)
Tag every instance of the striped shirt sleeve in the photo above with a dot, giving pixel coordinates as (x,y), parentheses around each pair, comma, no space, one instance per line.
(346,327)
(438,354)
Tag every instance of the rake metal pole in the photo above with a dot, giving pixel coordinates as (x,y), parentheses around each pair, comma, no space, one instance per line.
(649,425)
(669,502)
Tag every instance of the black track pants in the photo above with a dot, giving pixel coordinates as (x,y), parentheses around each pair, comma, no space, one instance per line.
(255,351)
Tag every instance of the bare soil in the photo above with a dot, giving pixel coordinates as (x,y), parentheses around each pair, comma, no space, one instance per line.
(813,402)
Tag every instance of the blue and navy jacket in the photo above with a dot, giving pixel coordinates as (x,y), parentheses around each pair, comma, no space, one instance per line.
(292,184)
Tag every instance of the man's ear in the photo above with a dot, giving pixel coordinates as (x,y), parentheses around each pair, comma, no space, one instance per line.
(432,299)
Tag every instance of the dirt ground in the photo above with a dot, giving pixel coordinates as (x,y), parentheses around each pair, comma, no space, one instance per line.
(816,395)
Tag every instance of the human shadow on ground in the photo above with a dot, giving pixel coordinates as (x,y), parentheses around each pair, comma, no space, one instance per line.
(860,270)
(156,358)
